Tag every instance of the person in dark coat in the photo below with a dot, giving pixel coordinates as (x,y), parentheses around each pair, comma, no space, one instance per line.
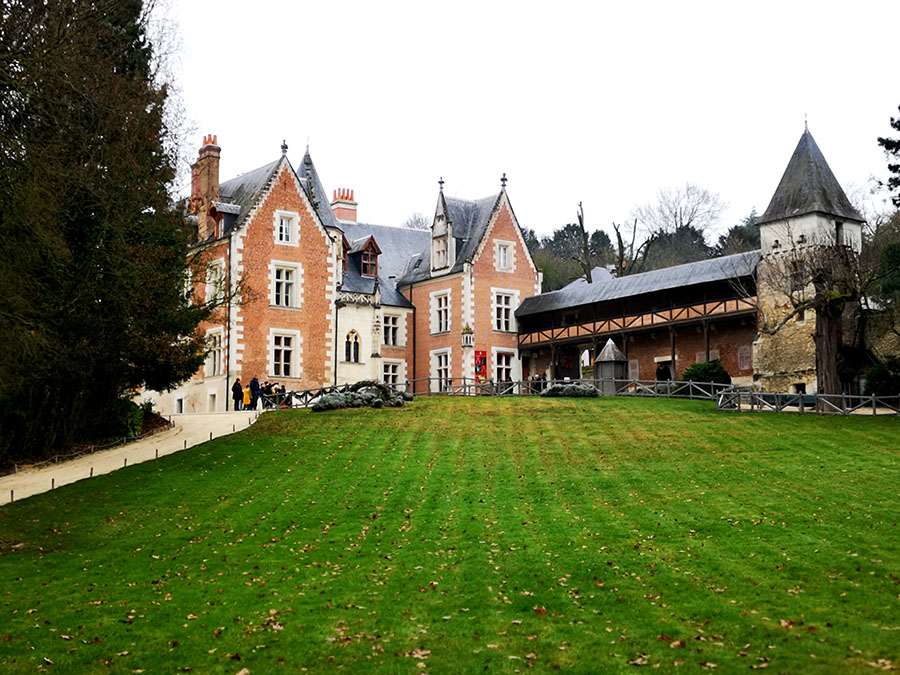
(237,393)
(662,373)
(254,393)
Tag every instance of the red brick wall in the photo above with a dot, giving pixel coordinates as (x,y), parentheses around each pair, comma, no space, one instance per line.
(726,337)
(258,249)
(420,296)
(523,279)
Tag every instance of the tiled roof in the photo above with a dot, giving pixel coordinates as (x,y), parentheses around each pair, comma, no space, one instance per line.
(704,271)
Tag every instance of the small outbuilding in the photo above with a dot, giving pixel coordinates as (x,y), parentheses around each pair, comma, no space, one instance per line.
(610,365)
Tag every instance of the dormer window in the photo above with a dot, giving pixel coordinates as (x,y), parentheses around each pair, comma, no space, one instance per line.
(369,264)
(440,253)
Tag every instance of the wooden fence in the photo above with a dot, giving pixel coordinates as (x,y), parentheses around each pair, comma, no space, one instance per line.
(823,404)
(726,396)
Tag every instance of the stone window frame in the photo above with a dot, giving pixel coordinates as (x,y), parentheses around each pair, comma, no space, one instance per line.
(513,296)
(294,370)
(214,365)
(504,256)
(297,283)
(215,280)
(293,230)
(441,318)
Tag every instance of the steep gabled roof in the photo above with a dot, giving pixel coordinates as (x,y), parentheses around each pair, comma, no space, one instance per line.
(808,186)
(307,168)
(469,220)
(704,271)
(244,190)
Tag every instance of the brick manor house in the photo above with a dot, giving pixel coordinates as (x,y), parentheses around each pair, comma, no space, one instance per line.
(323,299)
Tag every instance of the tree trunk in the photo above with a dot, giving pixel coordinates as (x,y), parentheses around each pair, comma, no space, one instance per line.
(825,339)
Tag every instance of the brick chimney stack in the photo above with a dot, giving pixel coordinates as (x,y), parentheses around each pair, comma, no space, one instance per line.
(205,185)
(343,205)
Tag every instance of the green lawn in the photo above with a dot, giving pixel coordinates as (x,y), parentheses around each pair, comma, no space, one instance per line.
(468,534)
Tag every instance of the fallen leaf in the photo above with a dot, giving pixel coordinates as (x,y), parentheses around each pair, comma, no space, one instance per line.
(540,610)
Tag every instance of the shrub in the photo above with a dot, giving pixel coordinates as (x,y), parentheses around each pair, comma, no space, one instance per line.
(884,379)
(130,417)
(361,394)
(331,401)
(709,371)
(571,390)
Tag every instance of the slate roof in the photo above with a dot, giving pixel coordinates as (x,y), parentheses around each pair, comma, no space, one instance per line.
(326,215)
(244,190)
(808,186)
(224,207)
(598,275)
(397,244)
(704,271)
(469,220)
(611,353)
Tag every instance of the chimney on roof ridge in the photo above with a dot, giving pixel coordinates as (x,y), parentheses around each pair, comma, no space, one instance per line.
(205,185)
(343,206)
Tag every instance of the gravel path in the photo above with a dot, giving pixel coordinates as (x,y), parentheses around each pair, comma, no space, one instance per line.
(190,430)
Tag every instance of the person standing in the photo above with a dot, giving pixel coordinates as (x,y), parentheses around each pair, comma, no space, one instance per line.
(237,393)
(254,393)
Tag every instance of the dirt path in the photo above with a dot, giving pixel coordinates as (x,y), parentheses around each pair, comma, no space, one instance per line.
(189,430)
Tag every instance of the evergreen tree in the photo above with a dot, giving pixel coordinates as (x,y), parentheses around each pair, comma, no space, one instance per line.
(892,150)
(92,252)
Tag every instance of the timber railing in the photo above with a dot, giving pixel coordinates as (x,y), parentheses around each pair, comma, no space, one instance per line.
(822,404)
(726,396)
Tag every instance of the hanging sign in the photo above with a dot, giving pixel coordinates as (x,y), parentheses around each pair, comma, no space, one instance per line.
(480,366)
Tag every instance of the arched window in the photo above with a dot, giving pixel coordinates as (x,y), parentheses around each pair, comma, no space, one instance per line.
(351,347)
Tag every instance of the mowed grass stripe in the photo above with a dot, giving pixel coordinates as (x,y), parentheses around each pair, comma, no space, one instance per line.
(463,534)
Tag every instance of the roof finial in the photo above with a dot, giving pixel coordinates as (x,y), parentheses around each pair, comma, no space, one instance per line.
(805,124)
(283,147)
(441,183)
(503,181)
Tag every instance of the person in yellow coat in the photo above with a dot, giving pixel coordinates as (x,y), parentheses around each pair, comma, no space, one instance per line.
(246,398)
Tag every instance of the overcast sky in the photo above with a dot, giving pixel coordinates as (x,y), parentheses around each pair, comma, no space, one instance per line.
(603,103)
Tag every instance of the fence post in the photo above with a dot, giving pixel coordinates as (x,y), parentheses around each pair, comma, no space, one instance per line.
(92,473)
(874,407)
(10,496)
(52,483)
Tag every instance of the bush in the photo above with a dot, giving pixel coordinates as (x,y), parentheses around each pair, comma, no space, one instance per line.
(130,417)
(571,390)
(884,379)
(330,402)
(367,393)
(709,371)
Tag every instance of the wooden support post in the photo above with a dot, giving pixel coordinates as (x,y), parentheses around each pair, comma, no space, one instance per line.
(706,337)
(672,346)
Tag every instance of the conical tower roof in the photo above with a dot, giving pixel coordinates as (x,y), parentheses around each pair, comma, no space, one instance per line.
(809,186)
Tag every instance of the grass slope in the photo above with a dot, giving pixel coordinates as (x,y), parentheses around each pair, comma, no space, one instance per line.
(468,534)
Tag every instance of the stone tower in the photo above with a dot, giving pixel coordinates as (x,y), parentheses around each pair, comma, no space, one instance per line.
(808,214)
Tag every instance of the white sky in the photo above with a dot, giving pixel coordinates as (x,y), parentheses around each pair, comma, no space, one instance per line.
(603,103)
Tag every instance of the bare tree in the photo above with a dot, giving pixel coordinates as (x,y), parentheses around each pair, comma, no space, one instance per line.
(688,206)
(417,221)
(630,259)
(826,276)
